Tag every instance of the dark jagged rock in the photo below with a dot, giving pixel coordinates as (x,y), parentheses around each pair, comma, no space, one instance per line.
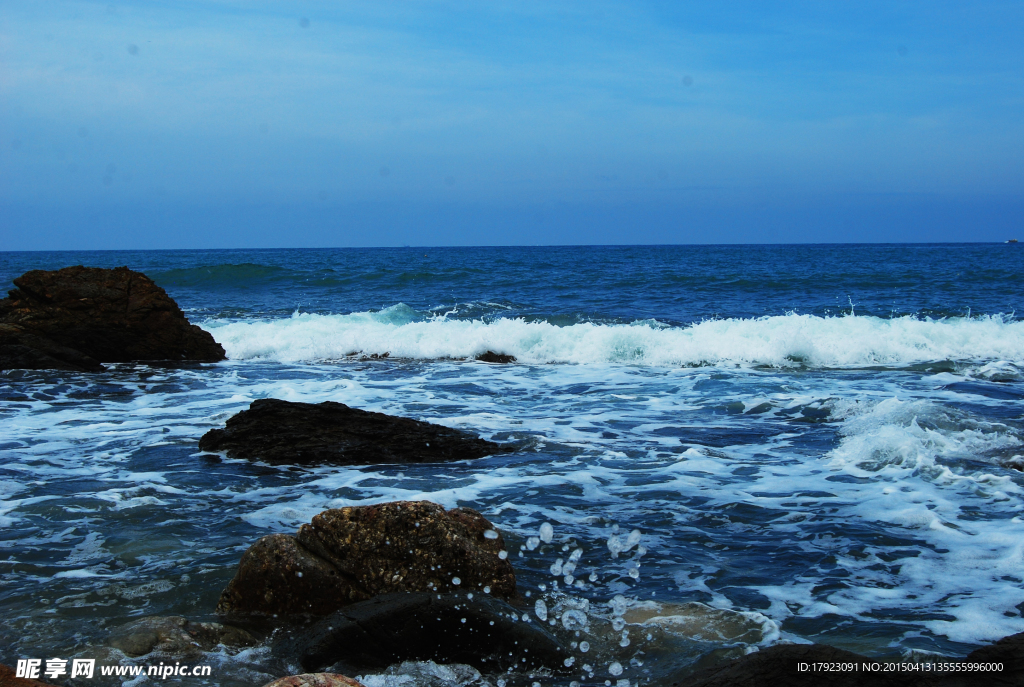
(306,433)
(176,636)
(23,350)
(348,555)
(1010,652)
(483,632)
(778,665)
(108,315)
(492,357)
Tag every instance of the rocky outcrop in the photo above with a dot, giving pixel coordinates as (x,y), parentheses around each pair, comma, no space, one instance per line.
(779,665)
(23,350)
(348,555)
(305,433)
(474,629)
(106,315)
(176,636)
(314,680)
(492,357)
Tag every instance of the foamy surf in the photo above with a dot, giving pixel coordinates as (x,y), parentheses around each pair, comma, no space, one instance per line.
(778,341)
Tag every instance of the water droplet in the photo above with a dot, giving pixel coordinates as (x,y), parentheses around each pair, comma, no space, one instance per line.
(585,647)
(568,579)
(532,543)
(546,532)
(569,661)
(504,554)
(298,573)
(556,567)
(615,669)
(618,624)
(487,590)
(575,620)
(618,604)
(456,580)
(541,609)
(593,577)
(464,620)
(575,556)
(614,545)
(625,638)
(490,534)
(632,540)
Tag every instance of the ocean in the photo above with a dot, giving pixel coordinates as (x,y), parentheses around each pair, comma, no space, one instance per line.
(817,443)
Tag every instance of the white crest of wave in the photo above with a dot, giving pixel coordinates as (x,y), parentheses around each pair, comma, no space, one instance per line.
(782,340)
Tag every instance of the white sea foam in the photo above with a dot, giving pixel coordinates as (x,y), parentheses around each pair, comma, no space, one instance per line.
(782,341)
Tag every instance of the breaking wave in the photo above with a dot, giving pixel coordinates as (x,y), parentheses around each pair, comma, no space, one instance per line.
(779,341)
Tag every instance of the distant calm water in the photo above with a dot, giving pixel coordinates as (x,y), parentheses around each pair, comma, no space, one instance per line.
(815,438)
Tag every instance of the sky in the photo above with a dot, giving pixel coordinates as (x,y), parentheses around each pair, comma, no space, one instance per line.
(223,124)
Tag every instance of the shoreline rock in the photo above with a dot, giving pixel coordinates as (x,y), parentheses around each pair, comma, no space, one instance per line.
(472,629)
(23,350)
(314,680)
(78,317)
(286,432)
(176,636)
(348,555)
(492,357)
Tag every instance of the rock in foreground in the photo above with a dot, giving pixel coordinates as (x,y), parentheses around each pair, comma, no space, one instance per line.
(108,315)
(348,555)
(176,636)
(481,631)
(314,680)
(306,433)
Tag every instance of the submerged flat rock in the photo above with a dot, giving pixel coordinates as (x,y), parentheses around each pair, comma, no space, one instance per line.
(348,555)
(306,433)
(473,629)
(77,317)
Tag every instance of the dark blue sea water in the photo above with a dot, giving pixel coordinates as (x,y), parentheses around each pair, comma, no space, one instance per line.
(814,443)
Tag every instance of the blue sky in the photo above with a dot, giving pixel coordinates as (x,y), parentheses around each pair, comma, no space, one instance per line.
(259,124)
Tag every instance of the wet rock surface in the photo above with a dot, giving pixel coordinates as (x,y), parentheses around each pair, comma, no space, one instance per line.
(176,636)
(473,629)
(700,621)
(307,433)
(23,350)
(106,315)
(348,555)
(492,357)
(315,680)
